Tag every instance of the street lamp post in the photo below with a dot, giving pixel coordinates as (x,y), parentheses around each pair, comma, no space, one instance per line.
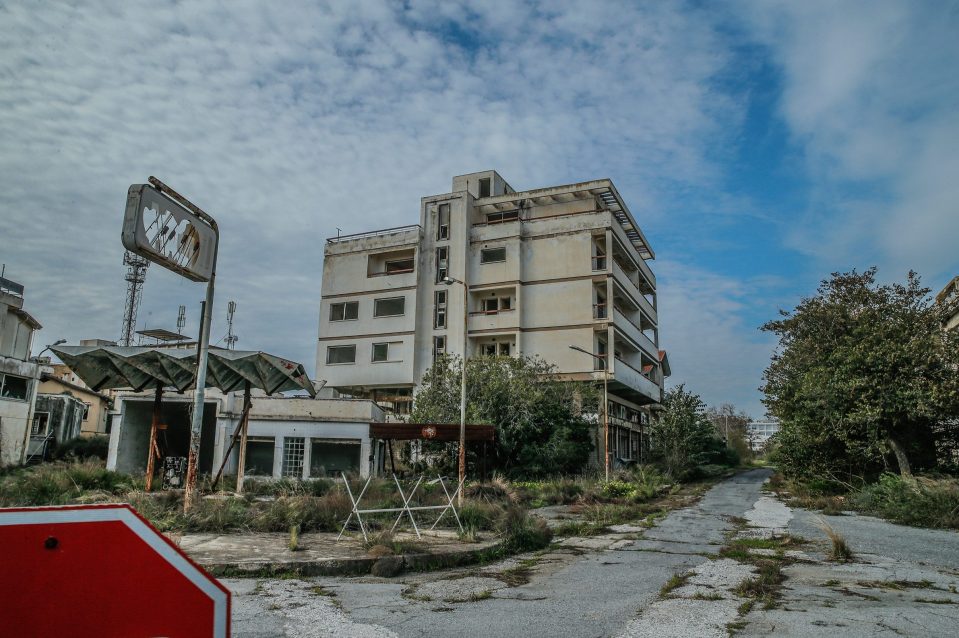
(605,404)
(449,281)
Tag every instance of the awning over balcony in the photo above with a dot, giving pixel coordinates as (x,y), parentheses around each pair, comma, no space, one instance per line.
(138,368)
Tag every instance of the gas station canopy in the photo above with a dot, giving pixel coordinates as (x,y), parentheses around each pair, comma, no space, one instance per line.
(139,368)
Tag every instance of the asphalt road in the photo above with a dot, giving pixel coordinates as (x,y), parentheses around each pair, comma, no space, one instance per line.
(595,593)
(904,582)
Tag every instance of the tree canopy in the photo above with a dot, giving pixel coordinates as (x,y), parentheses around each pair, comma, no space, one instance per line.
(864,373)
(683,437)
(540,429)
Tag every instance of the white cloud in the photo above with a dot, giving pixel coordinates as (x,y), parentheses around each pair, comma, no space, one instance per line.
(285,121)
(869,92)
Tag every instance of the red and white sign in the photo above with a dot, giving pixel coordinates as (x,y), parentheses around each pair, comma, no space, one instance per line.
(101,570)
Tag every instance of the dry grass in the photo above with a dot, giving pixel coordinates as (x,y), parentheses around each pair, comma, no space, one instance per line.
(840,550)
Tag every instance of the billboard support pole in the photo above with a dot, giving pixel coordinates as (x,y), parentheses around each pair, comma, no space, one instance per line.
(203,349)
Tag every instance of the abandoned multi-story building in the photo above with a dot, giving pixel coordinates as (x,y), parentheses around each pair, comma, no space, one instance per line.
(550,272)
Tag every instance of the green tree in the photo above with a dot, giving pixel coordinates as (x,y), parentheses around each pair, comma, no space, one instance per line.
(539,426)
(863,373)
(682,435)
(730,425)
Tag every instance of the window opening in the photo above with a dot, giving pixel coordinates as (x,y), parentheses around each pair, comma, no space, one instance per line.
(341,354)
(484,187)
(492,255)
(346,311)
(443,222)
(439,311)
(293,448)
(389,307)
(439,347)
(442,263)
(397,266)
(381,352)
(41,423)
(504,349)
(499,218)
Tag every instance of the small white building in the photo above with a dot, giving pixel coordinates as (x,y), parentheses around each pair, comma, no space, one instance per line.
(295,437)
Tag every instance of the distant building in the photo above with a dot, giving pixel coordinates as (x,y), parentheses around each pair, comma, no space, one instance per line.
(18,375)
(57,418)
(96,406)
(543,269)
(949,298)
(759,432)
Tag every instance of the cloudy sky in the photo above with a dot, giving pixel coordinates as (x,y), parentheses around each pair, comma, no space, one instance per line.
(761,146)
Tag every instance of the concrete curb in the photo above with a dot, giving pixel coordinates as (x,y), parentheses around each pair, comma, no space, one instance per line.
(347,566)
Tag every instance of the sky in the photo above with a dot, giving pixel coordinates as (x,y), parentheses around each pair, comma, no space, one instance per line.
(760,146)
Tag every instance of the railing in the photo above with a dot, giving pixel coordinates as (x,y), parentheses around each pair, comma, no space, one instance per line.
(11,287)
(599,311)
(373,233)
(599,263)
(477,313)
(398,271)
(634,332)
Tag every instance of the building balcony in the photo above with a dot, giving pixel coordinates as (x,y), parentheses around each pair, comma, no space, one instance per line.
(629,287)
(639,261)
(503,320)
(634,334)
(634,385)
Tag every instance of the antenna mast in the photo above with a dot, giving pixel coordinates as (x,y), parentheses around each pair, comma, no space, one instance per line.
(136,275)
(231,338)
(181,320)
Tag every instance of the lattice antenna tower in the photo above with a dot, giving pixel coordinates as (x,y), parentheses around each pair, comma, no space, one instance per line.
(181,320)
(136,275)
(231,338)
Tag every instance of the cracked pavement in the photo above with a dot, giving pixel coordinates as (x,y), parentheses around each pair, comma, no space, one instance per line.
(903,583)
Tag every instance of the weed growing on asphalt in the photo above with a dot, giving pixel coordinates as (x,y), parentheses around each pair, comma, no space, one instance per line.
(675,581)
(840,550)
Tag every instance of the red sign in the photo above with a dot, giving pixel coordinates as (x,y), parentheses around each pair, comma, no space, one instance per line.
(102,570)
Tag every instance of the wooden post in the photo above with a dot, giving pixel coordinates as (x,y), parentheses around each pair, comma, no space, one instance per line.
(152,455)
(244,426)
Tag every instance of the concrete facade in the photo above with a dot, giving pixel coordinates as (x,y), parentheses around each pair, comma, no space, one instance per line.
(18,374)
(545,269)
(948,297)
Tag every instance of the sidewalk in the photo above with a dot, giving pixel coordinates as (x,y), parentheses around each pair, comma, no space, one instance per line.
(320,554)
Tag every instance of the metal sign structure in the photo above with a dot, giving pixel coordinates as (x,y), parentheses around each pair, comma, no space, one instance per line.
(170,230)
(102,570)
(161,229)
(399,511)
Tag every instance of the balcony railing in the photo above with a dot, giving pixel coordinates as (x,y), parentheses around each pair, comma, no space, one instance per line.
(395,271)
(599,263)
(600,311)
(374,233)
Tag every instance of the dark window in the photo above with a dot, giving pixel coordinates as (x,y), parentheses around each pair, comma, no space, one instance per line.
(499,218)
(381,352)
(439,310)
(504,303)
(484,187)
(489,349)
(345,311)
(86,411)
(492,255)
(443,222)
(504,349)
(259,456)
(442,263)
(341,354)
(439,347)
(491,306)
(13,387)
(329,457)
(389,307)
(397,266)
(41,421)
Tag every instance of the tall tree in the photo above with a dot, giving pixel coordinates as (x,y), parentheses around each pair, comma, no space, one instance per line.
(540,429)
(864,373)
(682,435)
(730,425)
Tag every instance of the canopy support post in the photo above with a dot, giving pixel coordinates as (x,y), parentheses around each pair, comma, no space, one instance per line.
(153,452)
(245,426)
(239,428)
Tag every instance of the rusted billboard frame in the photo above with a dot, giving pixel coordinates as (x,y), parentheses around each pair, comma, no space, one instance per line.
(203,345)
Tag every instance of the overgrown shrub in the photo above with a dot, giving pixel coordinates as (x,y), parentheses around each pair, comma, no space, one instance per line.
(83,448)
(522,532)
(922,502)
(60,483)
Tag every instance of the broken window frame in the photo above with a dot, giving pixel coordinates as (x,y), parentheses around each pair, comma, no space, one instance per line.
(439,309)
(442,263)
(443,222)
